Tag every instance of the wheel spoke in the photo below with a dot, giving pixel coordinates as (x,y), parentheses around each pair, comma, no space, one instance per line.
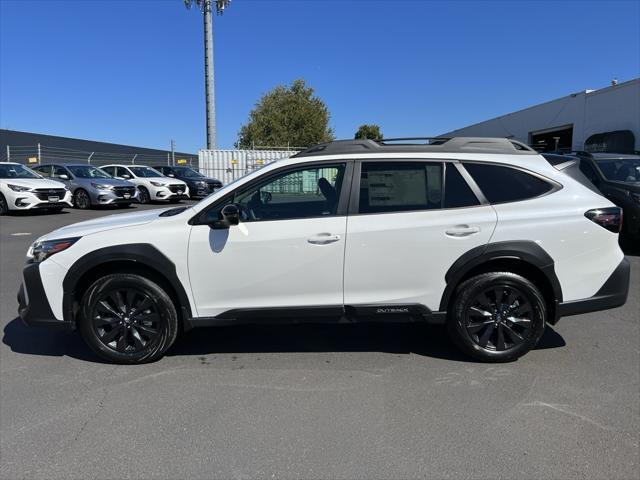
(146,303)
(482,341)
(103,321)
(514,336)
(500,343)
(130,299)
(525,322)
(476,326)
(147,317)
(479,311)
(148,332)
(137,339)
(122,342)
(108,308)
(111,335)
(499,294)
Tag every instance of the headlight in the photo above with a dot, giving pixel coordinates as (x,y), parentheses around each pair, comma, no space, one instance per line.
(102,186)
(201,184)
(634,196)
(42,250)
(18,188)
(158,184)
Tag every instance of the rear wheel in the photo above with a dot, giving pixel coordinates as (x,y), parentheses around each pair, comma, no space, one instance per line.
(4,208)
(127,318)
(497,316)
(81,199)
(143,195)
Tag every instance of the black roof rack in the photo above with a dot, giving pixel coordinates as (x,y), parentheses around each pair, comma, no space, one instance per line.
(420,144)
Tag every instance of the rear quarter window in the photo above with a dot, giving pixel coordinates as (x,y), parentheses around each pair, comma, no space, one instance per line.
(505,184)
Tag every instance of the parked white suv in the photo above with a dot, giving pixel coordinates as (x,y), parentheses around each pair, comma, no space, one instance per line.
(23,189)
(481,234)
(152,185)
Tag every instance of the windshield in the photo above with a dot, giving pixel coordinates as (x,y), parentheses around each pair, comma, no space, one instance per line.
(145,172)
(188,172)
(17,171)
(88,171)
(621,169)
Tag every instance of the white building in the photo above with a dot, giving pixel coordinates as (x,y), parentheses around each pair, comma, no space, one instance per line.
(607,119)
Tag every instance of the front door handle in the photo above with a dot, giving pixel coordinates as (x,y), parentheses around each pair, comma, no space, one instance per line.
(461,231)
(323,239)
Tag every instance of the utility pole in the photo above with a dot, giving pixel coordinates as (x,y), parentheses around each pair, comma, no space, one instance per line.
(206,7)
(173,153)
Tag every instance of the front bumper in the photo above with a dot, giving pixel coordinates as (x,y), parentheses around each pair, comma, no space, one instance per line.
(612,294)
(31,201)
(33,305)
(167,193)
(111,197)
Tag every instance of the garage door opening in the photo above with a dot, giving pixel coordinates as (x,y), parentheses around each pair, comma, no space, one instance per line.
(553,139)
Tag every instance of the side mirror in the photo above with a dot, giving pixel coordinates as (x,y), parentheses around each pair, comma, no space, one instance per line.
(229,216)
(171,175)
(126,176)
(64,176)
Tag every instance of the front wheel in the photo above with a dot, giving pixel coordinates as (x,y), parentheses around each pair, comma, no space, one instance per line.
(143,195)
(497,316)
(127,318)
(4,208)
(82,199)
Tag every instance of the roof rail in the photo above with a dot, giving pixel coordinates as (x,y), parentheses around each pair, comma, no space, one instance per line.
(421,144)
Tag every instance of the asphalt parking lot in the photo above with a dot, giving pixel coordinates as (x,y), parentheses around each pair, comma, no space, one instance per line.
(344,401)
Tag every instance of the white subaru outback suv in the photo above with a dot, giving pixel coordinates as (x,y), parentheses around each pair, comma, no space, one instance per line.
(152,185)
(481,234)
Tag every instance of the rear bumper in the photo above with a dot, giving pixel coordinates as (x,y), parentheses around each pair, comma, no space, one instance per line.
(33,305)
(612,294)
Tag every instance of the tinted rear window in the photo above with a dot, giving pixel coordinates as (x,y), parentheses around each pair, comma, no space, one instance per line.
(504,184)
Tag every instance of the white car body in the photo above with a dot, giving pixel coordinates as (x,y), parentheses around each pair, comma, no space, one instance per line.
(33,193)
(160,188)
(381,263)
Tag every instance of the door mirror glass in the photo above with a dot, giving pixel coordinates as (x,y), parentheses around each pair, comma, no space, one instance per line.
(229,216)
(171,175)
(125,176)
(64,176)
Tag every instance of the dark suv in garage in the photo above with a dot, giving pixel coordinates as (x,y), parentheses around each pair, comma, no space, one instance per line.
(199,185)
(617,176)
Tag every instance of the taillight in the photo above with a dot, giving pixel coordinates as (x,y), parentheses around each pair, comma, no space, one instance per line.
(609,218)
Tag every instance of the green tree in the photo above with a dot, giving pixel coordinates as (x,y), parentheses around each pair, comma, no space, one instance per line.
(371,132)
(287,115)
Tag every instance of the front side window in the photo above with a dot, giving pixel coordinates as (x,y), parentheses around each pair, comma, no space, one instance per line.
(57,171)
(145,172)
(88,171)
(44,170)
(400,186)
(16,171)
(302,193)
(110,170)
(504,184)
(621,169)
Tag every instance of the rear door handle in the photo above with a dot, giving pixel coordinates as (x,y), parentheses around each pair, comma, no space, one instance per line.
(461,231)
(323,239)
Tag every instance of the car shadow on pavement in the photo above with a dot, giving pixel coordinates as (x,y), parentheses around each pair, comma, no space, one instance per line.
(44,341)
(404,338)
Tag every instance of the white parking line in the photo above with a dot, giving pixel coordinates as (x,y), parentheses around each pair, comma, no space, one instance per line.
(21,234)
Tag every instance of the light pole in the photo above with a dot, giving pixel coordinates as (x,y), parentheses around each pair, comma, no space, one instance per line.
(205,7)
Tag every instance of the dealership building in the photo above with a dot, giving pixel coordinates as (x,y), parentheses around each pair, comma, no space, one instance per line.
(607,119)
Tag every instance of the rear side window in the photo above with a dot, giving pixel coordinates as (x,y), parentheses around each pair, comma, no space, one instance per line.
(457,192)
(503,184)
(400,186)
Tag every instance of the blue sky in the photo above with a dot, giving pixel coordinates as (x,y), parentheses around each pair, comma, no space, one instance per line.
(131,72)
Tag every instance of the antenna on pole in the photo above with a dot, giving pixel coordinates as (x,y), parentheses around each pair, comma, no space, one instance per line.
(205,6)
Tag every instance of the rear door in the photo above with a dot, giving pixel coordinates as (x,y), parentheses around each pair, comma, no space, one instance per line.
(408,222)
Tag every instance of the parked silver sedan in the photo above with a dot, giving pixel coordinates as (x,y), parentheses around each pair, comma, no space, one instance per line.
(90,185)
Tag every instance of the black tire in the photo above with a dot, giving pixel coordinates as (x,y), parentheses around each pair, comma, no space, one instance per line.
(128,319)
(4,208)
(81,199)
(143,195)
(482,320)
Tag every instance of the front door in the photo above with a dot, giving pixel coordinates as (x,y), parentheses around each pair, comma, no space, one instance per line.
(412,221)
(286,253)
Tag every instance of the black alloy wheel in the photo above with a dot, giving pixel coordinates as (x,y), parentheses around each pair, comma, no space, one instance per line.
(128,318)
(126,321)
(82,200)
(497,316)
